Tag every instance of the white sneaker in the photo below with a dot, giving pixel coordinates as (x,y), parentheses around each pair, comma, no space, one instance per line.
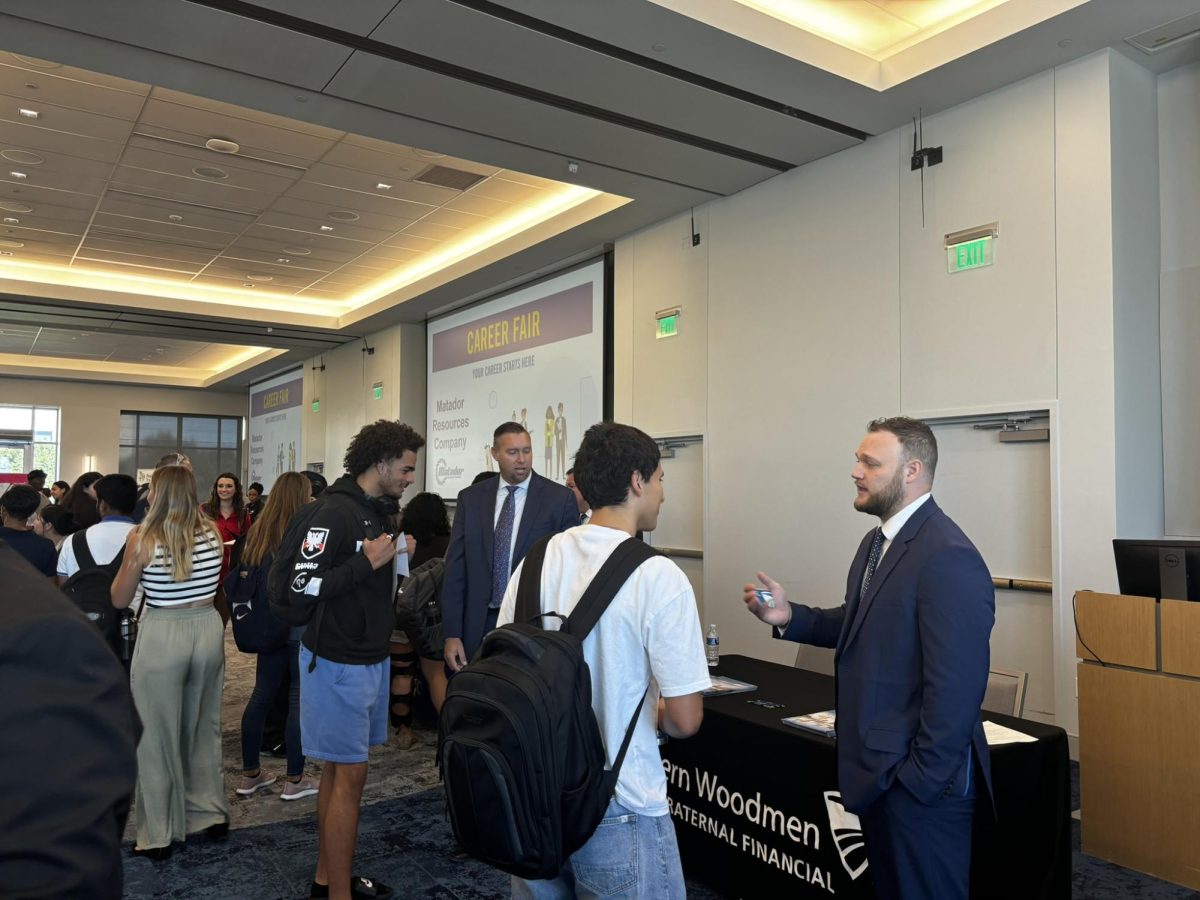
(298,790)
(261,780)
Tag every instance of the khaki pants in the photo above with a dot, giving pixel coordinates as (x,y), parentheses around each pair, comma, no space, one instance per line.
(177,675)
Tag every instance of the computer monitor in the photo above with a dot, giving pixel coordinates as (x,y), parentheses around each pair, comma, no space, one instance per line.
(1158,568)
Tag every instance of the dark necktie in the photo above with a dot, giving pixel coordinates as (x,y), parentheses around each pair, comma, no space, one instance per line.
(502,547)
(872,560)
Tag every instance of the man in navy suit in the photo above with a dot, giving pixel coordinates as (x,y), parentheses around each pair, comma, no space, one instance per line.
(911,664)
(495,523)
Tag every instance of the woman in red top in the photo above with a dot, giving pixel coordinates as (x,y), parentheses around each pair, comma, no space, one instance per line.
(227,510)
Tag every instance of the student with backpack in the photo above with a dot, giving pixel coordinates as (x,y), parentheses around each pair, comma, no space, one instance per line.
(88,561)
(257,630)
(644,655)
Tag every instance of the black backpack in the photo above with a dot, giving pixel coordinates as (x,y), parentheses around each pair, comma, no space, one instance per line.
(90,588)
(418,611)
(255,628)
(520,750)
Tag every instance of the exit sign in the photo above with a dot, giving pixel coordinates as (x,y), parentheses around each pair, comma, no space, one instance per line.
(969,255)
(668,326)
(377,390)
(316,406)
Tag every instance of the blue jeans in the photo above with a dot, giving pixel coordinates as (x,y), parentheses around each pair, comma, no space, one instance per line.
(268,675)
(630,857)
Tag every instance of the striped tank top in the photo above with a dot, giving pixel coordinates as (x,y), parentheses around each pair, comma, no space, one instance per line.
(161,588)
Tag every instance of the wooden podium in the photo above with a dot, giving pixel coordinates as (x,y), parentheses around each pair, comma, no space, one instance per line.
(1139,733)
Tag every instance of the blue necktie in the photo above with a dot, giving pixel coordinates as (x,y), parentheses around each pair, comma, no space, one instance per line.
(872,560)
(502,547)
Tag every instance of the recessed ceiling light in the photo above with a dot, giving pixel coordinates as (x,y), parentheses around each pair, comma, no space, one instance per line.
(11,220)
(29,113)
(658,48)
(31,85)
(428,154)
(327,228)
(1065,42)
(256,277)
(343,215)
(20,176)
(22,157)
(297,251)
(210,172)
(160,349)
(5,253)
(247,284)
(283,259)
(220,145)
(13,206)
(175,217)
(383,187)
(13,244)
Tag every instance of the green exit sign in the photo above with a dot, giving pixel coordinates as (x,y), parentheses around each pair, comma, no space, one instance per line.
(969,255)
(668,326)
(377,390)
(316,406)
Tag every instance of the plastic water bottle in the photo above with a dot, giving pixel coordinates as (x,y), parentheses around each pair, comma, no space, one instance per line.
(712,647)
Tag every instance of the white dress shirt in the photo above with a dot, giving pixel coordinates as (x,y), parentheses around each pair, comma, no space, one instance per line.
(892,526)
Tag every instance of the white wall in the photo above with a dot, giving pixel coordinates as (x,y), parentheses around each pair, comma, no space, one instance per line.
(91,414)
(828,304)
(1179,192)
(346,393)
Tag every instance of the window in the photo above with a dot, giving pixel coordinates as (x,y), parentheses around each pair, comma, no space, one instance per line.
(29,440)
(213,443)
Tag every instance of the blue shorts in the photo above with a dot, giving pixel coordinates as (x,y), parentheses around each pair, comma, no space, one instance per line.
(343,708)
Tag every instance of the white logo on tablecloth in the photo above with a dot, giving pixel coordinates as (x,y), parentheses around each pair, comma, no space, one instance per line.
(847,835)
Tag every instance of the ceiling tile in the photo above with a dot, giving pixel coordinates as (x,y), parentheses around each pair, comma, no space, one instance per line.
(439,233)
(90,254)
(44,140)
(404,200)
(509,191)
(258,134)
(166,231)
(51,89)
(338,231)
(64,120)
(320,213)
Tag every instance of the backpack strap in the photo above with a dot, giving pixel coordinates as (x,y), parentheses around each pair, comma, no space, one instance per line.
(83,553)
(607,583)
(605,586)
(529,590)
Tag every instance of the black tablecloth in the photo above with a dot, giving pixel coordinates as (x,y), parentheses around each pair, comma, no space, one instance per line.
(748,797)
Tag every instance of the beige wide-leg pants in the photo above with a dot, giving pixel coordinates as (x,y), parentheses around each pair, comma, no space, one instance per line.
(177,676)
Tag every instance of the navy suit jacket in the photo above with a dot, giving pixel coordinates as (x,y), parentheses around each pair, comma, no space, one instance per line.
(912,662)
(467,589)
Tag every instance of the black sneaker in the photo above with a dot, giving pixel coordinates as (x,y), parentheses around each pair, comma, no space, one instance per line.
(359,887)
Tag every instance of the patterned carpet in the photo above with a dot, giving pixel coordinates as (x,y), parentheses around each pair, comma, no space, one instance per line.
(404,838)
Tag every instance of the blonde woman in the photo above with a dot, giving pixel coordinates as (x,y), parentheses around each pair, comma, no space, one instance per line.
(178,666)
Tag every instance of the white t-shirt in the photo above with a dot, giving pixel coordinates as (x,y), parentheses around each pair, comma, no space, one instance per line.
(651,628)
(104,539)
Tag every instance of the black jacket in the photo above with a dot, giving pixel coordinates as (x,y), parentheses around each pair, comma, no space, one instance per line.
(356,622)
(68,739)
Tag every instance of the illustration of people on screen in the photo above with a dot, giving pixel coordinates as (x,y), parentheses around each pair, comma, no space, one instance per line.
(488,459)
(291,456)
(279,460)
(549,438)
(524,418)
(560,443)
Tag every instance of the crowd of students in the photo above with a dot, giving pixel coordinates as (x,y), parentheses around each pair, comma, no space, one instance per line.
(348,672)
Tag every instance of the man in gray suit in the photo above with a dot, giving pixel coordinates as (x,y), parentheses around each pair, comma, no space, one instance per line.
(495,523)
